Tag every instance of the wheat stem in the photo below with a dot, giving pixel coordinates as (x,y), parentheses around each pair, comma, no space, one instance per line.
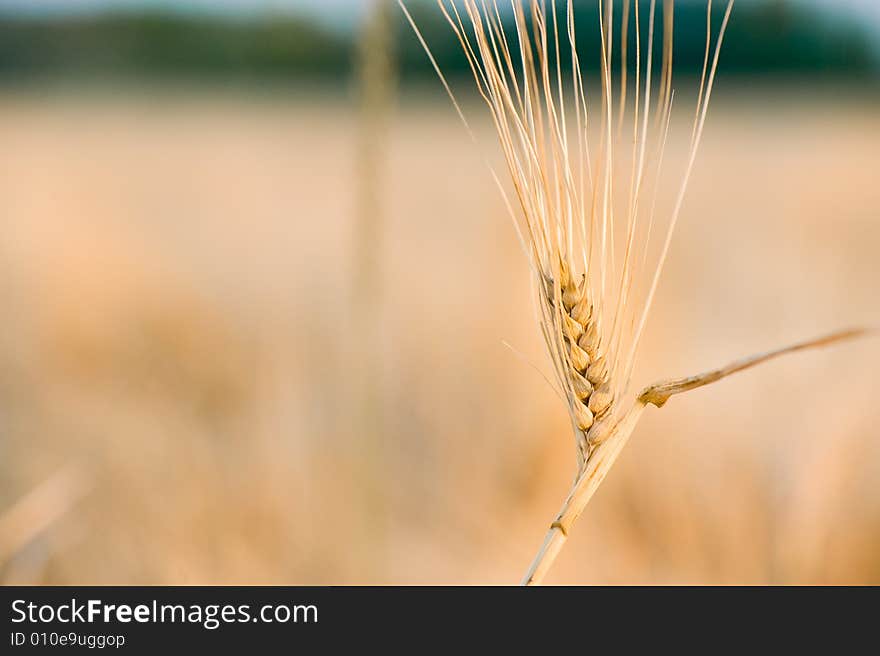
(595,469)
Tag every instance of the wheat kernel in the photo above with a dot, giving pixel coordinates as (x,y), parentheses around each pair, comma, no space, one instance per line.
(582,387)
(598,371)
(572,328)
(582,311)
(583,416)
(580,359)
(589,341)
(599,432)
(571,297)
(600,400)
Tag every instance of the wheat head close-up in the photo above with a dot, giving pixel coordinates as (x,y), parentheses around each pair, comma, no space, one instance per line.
(585,164)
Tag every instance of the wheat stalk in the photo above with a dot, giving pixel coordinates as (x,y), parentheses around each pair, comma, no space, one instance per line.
(376,90)
(589,217)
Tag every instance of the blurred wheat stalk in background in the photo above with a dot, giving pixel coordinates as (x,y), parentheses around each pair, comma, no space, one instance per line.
(39,510)
(375,66)
(589,217)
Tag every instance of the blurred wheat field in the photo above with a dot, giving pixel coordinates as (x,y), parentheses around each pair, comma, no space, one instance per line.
(176,280)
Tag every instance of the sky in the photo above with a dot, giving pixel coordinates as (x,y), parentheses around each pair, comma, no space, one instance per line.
(343,12)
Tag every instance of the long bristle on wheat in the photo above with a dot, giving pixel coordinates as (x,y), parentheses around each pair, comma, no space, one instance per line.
(590,217)
(590,232)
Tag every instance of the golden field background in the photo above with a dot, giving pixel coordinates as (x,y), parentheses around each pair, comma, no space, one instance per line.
(184,395)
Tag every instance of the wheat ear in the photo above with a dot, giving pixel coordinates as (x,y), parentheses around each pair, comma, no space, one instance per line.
(596,239)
